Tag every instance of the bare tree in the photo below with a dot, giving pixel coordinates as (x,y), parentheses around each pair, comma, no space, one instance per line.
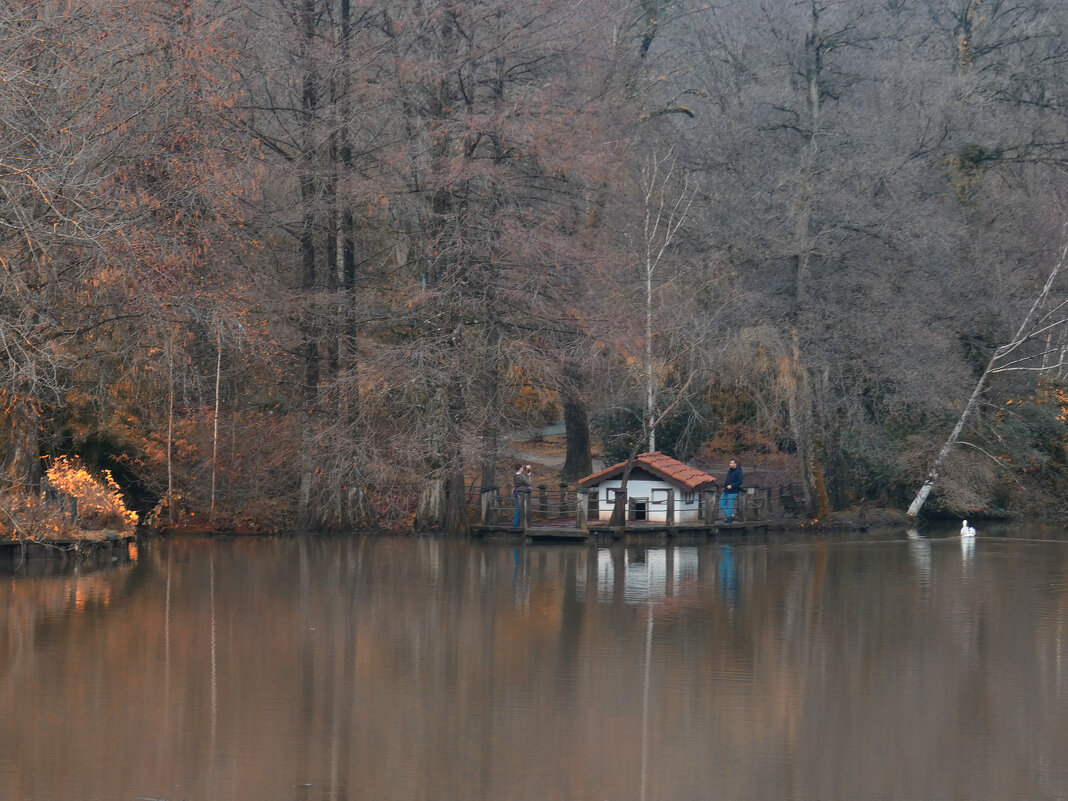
(665,210)
(1036,325)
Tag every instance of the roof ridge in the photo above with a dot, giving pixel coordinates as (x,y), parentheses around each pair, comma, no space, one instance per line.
(668,468)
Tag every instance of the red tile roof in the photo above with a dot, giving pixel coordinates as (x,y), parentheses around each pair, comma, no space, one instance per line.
(660,465)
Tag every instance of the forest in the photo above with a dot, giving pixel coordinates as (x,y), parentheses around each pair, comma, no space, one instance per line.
(311,263)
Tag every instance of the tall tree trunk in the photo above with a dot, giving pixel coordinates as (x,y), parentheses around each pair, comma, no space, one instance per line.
(357,507)
(309,326)
(215,419)
(666,208)
(650,386)
(456,521)
(172,507)
(577,459)
(947,446)
(800,400)
(22,468)
(491,385)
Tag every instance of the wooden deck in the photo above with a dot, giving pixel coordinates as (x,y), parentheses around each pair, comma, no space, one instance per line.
(569,516)
(565,531)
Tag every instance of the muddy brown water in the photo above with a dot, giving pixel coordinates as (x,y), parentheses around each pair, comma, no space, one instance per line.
(882,666)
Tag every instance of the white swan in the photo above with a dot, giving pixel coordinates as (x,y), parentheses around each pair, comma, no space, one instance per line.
(966,530)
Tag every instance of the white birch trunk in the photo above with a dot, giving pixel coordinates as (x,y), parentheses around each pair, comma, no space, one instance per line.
(663,219)
(1023,334)
(171,510)
(932,477)
(650,388)
(215,422)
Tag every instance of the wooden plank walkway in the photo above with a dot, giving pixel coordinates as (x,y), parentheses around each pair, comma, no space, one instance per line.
(565,531)
(571,516)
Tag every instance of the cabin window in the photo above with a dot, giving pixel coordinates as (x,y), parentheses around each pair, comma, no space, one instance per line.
(687,497)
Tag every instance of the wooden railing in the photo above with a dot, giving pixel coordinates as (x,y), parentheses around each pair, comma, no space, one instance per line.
(531,505)
(526,507)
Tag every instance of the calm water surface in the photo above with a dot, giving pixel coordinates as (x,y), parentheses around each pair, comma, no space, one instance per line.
(875,667)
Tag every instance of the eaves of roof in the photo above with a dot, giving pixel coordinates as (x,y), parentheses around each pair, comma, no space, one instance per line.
(660,465)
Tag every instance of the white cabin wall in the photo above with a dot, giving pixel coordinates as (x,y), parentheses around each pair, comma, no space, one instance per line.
(684,512)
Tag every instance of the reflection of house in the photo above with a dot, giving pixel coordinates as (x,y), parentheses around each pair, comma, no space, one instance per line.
(653,478)
(647,574)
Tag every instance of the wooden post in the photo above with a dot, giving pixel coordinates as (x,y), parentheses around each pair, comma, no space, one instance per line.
(670,508)
(488,499)
(710,506)
(620,508)
(582,499)
(522,498)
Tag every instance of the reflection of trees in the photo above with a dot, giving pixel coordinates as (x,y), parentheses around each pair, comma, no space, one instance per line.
(379,668)
(28,603)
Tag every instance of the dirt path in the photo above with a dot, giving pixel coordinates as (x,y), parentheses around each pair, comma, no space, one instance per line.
(546,448)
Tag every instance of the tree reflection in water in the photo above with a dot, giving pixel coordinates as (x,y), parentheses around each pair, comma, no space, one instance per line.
(397,668)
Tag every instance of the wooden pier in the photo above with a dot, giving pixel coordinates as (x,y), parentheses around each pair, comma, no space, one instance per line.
(569,515)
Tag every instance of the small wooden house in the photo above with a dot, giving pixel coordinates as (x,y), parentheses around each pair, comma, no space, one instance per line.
(653,477)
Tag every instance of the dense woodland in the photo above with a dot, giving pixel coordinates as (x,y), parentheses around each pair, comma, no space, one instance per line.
(313,262)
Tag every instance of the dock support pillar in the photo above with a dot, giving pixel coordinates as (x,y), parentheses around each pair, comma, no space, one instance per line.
(710,506)
(488,503)
(582,499)
(522,499)
(670,514)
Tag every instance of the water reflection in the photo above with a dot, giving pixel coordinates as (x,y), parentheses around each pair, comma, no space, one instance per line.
(920,553)
(728,579)
(967,549)
(380,668)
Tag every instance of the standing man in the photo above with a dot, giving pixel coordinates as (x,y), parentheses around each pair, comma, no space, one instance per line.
(732,485)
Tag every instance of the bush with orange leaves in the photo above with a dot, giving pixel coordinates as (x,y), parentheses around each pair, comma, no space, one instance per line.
(99,506)
(28,517)
(100,501)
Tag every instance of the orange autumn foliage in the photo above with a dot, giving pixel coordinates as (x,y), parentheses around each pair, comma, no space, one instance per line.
(99,499)
(28,517)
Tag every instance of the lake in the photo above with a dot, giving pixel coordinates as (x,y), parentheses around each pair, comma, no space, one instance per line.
(785,667)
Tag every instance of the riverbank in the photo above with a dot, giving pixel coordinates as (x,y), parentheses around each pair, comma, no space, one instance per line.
(100,548)
(545,451)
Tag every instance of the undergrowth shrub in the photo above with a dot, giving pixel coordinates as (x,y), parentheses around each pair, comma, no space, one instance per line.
(100,502)
(28,517)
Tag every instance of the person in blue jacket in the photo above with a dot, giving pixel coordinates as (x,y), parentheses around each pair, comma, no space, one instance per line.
(732,485)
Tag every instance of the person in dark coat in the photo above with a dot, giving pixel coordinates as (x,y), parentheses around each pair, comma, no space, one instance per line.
(732,485)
